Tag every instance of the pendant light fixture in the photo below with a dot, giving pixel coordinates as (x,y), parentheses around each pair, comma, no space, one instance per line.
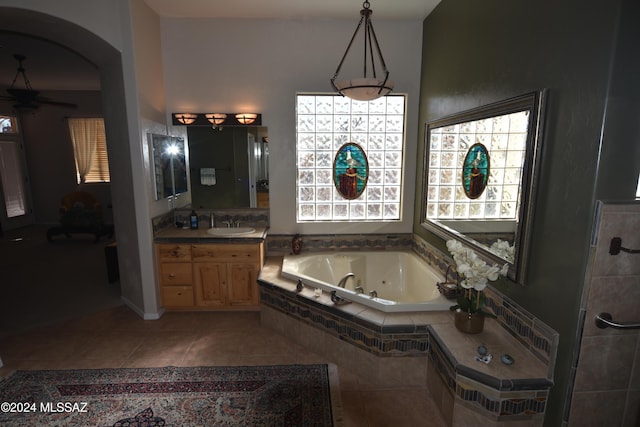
(367,87)
(246,118)
(216,119)
(185,118)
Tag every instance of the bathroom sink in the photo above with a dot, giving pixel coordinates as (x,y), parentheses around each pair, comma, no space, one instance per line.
(234,231)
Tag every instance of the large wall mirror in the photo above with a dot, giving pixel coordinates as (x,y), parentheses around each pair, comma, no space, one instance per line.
(228,166)
(169,165)
(480,171)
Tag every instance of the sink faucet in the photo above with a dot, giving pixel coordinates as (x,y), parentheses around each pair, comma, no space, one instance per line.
(359,290)
(373,294)
(229,221)
(344,279)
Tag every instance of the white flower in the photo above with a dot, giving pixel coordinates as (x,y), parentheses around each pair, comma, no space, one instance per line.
(465,269)
(492,273)
(503,249)
(477,273)
(504,270)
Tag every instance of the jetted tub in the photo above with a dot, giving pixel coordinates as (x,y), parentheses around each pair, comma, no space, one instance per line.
(401,280)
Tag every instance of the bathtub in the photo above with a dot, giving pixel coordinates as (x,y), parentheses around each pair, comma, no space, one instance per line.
(402,281)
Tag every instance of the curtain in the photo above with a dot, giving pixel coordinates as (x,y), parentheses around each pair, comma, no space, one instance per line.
(84,135)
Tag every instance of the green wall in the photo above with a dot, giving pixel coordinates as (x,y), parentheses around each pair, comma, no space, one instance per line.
(479,52)
(620,155)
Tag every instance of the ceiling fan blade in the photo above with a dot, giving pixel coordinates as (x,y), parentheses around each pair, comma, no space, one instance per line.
(23,94)
(28,99)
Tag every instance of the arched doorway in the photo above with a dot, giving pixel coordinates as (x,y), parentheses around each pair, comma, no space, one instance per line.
(108,62)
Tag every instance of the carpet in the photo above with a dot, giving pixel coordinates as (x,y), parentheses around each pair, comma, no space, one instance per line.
(282,395)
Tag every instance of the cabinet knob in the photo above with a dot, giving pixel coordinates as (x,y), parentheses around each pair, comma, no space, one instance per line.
(171,275)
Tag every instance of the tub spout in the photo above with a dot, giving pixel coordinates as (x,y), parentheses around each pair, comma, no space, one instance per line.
(343,281)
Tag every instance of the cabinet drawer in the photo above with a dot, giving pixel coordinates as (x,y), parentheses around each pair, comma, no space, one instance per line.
(178,273)
(226,252)
(176,253)
(177,296)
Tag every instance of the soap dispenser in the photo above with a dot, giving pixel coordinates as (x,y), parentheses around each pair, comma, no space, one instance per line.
(193,220)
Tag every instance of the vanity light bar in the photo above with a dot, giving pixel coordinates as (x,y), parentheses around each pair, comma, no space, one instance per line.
(222,119)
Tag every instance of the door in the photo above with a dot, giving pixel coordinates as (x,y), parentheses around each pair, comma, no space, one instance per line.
(15,200)
(243,284)
(210,281)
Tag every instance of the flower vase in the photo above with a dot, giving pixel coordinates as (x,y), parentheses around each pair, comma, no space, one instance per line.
(469,323)
(296,244)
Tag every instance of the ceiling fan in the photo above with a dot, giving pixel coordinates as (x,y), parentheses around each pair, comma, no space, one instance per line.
(28,99)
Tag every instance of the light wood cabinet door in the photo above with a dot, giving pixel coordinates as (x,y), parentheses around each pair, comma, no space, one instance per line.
(263,199)
(243,284)
(210,281)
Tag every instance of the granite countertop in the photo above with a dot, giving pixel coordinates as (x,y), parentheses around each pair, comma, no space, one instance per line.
(201,235)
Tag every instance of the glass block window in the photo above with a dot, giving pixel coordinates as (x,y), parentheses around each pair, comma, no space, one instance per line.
(505,138)
(325,122)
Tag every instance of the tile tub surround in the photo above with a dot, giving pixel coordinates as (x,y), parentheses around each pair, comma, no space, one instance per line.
(387,349)
(378,333)
(405,348)
(532,333)
(280,244)
(500,393)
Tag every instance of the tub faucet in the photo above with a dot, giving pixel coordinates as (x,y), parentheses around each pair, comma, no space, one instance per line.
(344,279)
(338,300)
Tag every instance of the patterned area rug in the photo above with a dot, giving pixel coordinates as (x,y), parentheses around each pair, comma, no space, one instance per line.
(285,395)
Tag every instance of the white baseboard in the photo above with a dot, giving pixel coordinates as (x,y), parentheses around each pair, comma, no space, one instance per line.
(140,312)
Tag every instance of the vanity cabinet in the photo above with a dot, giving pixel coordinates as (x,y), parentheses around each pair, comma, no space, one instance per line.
(263,199)
(211,276)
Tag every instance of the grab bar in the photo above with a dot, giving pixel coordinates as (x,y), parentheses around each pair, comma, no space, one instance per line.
(604,320)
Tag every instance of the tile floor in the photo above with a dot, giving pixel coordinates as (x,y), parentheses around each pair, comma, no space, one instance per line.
(117,337)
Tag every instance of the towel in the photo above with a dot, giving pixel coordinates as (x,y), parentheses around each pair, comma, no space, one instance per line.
(208,176)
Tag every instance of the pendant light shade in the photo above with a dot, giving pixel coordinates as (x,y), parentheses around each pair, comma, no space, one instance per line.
(246,118)
(371,86)
(216,119)
(186,118)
